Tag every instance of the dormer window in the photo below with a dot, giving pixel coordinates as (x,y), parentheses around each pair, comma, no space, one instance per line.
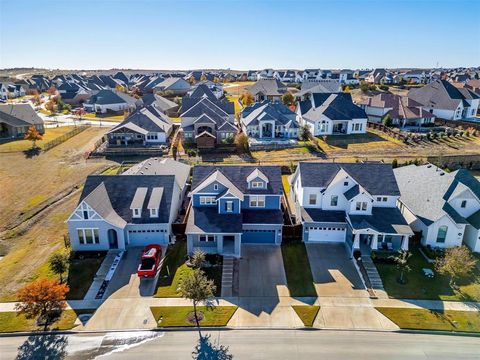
(257,184)
(136,213)
(215,186)
(463,204)
(153,213)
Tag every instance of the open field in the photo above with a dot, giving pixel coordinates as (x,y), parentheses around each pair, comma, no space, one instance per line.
(28,183)
(99,117)
(424,319)
(22,145)
(236,88)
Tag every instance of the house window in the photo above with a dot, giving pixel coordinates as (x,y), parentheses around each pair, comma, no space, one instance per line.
(85,214)
(206,238)
(207,200)
(136,213)
(361,206)
(345,183)
(379,199)
(384,199)
(215,186)
(229,206)
(88,236)
(257,184)
(153,213)
(442,234)
(257,201)
(312,199)
(463,204)
(334,200)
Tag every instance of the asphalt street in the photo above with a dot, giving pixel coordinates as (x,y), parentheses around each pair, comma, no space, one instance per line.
(242,344)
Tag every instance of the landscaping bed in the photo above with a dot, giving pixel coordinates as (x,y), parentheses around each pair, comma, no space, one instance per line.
(174,270)
(307,313)
(424,319)
(81,271)
(297,269)
(418,286)
(168,316)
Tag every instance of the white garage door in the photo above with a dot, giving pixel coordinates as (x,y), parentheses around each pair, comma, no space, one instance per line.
(146,237)
(326,234)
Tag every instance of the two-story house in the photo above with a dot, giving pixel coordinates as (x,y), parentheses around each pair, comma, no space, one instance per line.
(269,121)
(351,203)
(121,211)
(234,205)
(331,114)
(443,207)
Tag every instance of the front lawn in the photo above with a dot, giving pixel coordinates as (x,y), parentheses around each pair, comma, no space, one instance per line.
(297,269)
(168,316)
(81,272)
(424,319)
(174,270)
(421,287)
(11,322)
(307,313)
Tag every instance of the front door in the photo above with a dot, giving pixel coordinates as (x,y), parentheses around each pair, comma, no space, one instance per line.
(112,239)
(229,244)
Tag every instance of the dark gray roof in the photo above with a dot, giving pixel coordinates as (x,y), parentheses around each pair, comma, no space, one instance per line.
(269,87)
(267,110)
(161,103)
(147,118)
(319,215)
(192,107)
(207,220)
(105,97)
(238,174)
(19,115)
(262,216)
(121,191)
(201,91)
(383,220)
(334,106)
(376,178)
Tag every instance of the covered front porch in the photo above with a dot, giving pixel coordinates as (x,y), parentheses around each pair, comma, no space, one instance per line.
(223,244)
(368,242)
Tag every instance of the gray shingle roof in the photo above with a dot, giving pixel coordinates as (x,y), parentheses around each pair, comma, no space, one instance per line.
(106,97)
(383,220)
(376,178)
(238,174)
(268,87)
(278,112)
(319,215)
(426,189)
(334,106)
(207,220)
(120,191)
(149,119)
(19,115)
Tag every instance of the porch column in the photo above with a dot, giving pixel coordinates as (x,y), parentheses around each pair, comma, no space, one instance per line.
(405,242)
(219,243)
(356,241)
(260,128)
(374,244)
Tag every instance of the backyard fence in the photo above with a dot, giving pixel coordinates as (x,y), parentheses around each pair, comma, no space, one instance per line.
(61,139)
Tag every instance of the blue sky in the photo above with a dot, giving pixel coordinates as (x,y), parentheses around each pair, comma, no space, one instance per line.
(148,34)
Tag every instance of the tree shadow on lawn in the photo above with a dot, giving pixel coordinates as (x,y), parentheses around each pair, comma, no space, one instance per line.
(43,347)
(207,350)
(30,153)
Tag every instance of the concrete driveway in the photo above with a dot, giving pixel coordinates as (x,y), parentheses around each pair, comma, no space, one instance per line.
(333,271)
(261,272)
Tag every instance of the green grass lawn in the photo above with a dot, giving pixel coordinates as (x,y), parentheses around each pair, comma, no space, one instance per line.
(297,269)
(306,313)
(424,319)
(81,274)
(174,270)
(11,322)
(167,316)
(22,145)
(420,287)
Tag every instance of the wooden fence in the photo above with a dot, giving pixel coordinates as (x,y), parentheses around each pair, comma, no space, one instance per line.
(380,127)
(57,141)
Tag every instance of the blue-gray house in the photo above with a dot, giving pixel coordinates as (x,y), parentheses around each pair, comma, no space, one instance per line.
(234,205)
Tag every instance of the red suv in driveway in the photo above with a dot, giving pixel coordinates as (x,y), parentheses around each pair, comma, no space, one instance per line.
(150,261)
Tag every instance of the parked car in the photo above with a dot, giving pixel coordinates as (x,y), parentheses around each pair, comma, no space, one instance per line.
(150,261)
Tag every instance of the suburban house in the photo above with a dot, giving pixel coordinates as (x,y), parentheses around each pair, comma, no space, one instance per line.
(121,211)
(207,122)
(269,121)
(111,101)
(146,126)
(446,101)
(234,205)
(444,208)
(11,90)
(215,88)
(173,86)
(403,110)
(267,89)
(318,87)
(332,114)
(72,93)
(351,203)
(346,77)
(15,119)
(166,106)
(379,76)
